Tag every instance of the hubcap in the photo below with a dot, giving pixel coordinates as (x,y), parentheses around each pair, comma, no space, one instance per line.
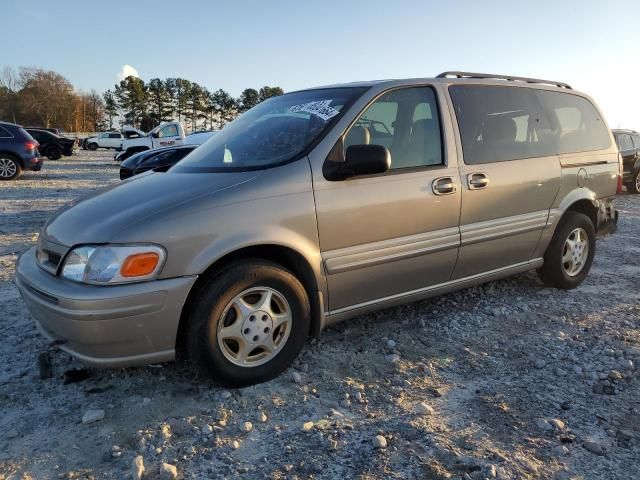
(7,168)
(254,326)
(575,252)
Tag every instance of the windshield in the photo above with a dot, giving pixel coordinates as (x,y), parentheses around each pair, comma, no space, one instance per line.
(273,132)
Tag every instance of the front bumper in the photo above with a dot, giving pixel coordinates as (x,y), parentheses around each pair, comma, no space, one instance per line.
(105,326)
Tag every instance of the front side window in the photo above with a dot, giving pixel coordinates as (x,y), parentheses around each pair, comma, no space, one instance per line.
(104,135)
(276,131)
(114,135)
(636,140)
(168,131)
(509,123)
(406,122)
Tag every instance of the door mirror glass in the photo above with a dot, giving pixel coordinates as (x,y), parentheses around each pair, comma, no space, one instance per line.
(361,160)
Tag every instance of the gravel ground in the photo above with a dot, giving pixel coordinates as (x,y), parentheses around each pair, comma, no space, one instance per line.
(507,380)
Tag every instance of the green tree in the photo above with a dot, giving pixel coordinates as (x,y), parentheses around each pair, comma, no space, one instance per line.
(110,107)
(268,92)
(249,98)
(159,101)
(183,89)
(224,106)
(131,94)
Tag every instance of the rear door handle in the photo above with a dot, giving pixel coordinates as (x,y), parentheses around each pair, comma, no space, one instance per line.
(477,181)
(443,186)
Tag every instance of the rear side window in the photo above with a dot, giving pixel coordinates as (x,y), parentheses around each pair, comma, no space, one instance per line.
(4,133)
(579,125)
(509,123)
(114,135)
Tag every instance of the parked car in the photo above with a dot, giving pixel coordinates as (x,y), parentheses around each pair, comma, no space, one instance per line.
(18,151)
(52,146)
(320,205)
(162,158)
(167,134)
(628,142)
(55,131)
(104,140)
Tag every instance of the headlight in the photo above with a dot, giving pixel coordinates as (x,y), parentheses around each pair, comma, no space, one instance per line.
(104,264)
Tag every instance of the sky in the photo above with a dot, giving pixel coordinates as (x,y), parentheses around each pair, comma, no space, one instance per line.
(236,44)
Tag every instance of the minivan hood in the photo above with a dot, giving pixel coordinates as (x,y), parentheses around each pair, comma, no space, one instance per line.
(102,215)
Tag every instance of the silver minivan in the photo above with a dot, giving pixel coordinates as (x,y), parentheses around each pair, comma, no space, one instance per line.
(323,204)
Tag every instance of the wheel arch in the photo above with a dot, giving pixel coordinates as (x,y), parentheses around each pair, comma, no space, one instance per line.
(285,256)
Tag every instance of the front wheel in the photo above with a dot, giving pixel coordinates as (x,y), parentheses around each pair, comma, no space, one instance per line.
(248,323)
(569,256)
(634,185)
(92,146)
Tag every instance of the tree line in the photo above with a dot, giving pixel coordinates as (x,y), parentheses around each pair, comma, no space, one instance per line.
(36,97)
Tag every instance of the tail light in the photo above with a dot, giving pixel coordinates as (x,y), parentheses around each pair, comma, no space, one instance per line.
(31,145)
(620,167)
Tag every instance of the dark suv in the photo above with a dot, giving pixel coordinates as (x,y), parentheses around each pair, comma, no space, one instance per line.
(629,146)
(18,152)
(51,145)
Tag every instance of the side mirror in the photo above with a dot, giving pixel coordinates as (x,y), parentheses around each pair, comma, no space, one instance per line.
(359,160)
(155,134)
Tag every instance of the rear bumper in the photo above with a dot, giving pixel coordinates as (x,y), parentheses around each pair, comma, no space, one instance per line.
(33,163)
(105,326)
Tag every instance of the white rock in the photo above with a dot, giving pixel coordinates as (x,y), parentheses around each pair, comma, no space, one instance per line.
(13,433)
(542,424)
(393,358)
(235,444)
(226,394)
(594,447)
(560,451)
(247,426)
(379,442)
(558,424)
(423,409)
(297,378)
(91,416)
(167,472)
(262,417)
(391,344)
(539,363)
(207,429)
(306,426)
(138,468)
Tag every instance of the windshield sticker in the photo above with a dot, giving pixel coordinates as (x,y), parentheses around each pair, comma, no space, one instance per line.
(319,108)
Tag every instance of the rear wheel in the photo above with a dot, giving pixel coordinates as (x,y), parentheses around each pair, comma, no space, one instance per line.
(569,256)
(92,146)
(10,168)
(248,323)
(54,153)
(634,185)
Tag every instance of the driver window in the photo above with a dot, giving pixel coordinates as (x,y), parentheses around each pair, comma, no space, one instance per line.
(168,131)
(406,122)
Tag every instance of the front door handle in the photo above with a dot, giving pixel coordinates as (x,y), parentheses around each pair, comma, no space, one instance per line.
(443,186)
(477,181)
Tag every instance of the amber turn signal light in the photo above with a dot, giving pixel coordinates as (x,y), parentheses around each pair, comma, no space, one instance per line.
(140,264)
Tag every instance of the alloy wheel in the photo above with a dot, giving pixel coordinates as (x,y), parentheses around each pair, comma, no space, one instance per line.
(575,252)
(8,168)
(254,326)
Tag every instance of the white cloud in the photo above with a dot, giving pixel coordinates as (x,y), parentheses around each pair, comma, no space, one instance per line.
(127,71)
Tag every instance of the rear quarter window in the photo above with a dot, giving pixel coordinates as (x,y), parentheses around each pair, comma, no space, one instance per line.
(4,133)
(499,123)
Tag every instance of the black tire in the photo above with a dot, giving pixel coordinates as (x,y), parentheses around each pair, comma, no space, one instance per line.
(553,272)
(209,304)
(634,185)
(54,153)
(92,146)
(10,168)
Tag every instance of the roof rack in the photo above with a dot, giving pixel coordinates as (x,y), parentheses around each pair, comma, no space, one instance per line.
(502,77)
